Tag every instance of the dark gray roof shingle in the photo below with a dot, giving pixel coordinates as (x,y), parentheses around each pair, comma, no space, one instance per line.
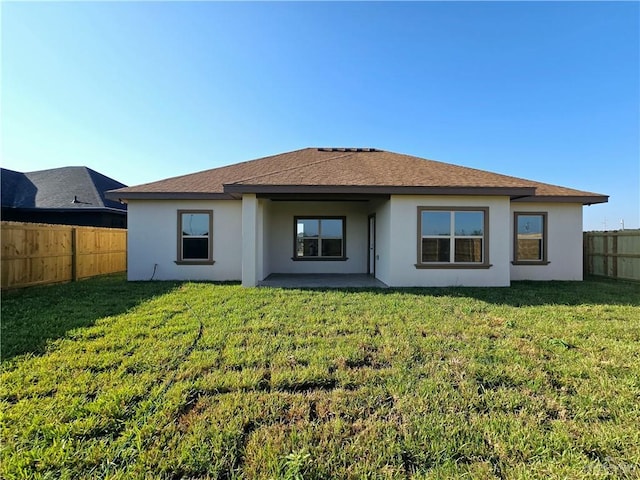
(58,188)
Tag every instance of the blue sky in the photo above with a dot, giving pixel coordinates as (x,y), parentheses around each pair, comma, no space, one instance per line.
(143,91)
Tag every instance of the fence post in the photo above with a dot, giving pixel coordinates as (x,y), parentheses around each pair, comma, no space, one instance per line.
(585,256)
(605,254)
(74,254)
(593,254)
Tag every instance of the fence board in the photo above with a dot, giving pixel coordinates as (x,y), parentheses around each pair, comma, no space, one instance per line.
(34,254)
(613,254)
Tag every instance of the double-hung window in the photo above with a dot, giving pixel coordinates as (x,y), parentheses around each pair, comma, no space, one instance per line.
(319,238)
(453,237)
(530,238)
(195,228)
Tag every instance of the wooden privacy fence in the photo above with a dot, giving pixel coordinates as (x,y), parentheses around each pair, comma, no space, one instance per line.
(612,254)
(34,254)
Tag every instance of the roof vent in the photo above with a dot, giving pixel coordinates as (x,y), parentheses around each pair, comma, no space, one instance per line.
(343,149)
(75,200)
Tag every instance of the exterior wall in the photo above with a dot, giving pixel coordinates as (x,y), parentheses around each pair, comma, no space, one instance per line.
(383,242)
(564,242)
(279,236)
(251,230)
(266,238)
(153,239)
(261,226)
(404,243)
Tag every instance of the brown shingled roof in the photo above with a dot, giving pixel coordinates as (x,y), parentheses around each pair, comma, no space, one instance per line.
(313,170)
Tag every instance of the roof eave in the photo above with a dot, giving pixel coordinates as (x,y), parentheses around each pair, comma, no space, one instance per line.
(119,211)
(124,196)
(235,191)
(583,199)
(381,190)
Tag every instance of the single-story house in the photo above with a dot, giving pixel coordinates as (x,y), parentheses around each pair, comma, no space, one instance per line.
(65,195)
(406,220)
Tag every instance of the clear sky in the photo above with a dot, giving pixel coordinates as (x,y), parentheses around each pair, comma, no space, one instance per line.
(144,91)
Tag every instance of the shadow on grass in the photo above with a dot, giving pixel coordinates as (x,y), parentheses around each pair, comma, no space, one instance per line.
(529,293)
(593,291)
(33,316)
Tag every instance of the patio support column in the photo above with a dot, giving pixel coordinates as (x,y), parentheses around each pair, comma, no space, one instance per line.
(249,240)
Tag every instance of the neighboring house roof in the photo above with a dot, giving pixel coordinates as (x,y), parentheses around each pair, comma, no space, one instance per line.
(16,190)
(350,171)
(66,188)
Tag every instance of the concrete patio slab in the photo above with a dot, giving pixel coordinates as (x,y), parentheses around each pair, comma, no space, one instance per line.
(282,280)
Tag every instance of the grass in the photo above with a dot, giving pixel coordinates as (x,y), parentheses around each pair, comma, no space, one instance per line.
(108,379)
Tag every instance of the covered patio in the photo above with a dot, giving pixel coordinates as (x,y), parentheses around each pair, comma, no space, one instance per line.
(310,241)
(321,280)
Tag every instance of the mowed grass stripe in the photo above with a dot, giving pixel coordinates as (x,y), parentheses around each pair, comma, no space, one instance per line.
(534,381)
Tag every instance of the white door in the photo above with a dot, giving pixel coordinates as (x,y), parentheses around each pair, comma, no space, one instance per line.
(371,268)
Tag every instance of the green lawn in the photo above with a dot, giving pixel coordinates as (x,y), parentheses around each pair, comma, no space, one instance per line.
(108,379)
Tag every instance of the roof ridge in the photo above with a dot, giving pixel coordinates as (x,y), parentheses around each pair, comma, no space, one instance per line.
(65,167)
(92,185)
(344,154)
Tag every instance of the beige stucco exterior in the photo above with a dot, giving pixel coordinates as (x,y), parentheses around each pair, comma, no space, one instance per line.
(254,237)
(564,229)
(153,240)
(404,234)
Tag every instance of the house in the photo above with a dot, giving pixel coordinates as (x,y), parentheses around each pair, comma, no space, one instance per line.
(405,220)
(67,195)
